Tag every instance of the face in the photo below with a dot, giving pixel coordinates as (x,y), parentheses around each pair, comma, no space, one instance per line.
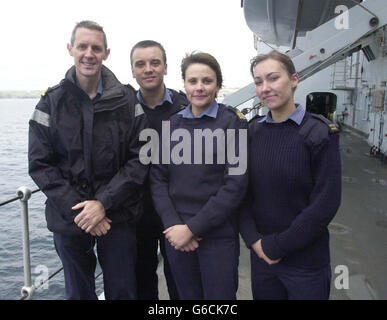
(89,52)
(273,85)
(200,85)
(148,68)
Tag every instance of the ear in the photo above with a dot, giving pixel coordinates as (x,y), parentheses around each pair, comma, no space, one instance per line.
(294,79)
(106,54)
(70,49)
(166,70)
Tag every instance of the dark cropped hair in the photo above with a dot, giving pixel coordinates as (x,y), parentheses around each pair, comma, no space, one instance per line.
(91,25)
(147,44)
(275,55)
(204,58)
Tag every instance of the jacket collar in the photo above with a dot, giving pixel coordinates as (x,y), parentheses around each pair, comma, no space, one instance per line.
(112,88)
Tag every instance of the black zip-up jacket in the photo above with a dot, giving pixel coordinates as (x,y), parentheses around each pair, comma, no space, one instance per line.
(80,150)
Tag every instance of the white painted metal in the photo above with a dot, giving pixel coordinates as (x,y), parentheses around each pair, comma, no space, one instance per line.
(323,47)
(326,44)
(278,21)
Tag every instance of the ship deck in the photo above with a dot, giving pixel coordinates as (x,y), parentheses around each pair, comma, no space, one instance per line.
(358,231)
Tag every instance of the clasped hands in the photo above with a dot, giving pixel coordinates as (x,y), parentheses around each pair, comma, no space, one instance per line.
(181,238)
(92,219)
(257,246)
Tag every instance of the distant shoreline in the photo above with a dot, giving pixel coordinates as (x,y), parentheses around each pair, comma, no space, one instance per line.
(14,94)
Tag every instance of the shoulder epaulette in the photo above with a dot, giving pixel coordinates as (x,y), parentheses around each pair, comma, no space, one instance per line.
(130,88)
(179,97)
(44,92)
(179,108)
(332,127)
(239,114)
(257,116)
(183,93)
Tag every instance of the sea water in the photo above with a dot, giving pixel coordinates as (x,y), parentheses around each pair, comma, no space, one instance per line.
(14,117)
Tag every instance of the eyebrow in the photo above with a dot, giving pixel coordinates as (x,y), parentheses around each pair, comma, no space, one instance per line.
(150,60)
(269,74)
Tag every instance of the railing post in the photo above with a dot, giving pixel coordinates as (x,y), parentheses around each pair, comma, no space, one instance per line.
(28,290)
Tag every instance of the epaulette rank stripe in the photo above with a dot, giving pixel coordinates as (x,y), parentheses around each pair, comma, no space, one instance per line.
(238,113)
(332,127)
(44,92)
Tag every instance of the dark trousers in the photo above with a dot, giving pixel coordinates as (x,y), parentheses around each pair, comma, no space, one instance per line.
(210,272)
(282,282)
(149,236)
(116,254)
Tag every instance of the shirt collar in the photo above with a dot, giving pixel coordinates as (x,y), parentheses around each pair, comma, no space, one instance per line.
(211,111)
(100,86)
(167,98)
(99,89)
(297,116)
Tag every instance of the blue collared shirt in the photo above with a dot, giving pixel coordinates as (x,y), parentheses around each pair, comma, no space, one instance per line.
(211,111)
(167,98)
(297,116)
(99,89)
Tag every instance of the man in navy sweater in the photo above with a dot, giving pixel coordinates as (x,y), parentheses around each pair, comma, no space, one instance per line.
(149,66)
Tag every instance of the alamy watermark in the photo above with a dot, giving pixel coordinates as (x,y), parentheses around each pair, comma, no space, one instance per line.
(342,280)
(41,280)
(342,21)
(230,146)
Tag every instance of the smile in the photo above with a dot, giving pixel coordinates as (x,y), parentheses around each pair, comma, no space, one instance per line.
(88,64)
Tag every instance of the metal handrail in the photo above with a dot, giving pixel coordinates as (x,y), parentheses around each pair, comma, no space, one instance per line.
(16,198)
(28,290)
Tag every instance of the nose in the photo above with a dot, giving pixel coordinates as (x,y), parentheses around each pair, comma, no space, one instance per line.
(148,68)
(265,86)
(89,52)
(199,86)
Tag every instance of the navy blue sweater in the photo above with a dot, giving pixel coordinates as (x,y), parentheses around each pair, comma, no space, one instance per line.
(294,190)
(203,196)
(164,112)
(155,117)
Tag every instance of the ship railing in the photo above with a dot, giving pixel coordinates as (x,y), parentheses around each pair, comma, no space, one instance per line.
(28,290)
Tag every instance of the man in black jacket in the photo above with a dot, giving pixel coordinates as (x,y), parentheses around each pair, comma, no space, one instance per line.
(149,66)
(83,154)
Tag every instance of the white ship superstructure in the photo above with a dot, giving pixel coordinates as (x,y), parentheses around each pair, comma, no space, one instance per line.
(339,49)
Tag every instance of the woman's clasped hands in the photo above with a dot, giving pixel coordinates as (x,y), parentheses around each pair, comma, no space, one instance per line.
(181,238)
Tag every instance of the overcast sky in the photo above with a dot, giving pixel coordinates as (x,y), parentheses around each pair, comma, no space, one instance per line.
(34,35)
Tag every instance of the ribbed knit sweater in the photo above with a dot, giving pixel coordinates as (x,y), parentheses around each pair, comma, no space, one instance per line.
(294,190)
